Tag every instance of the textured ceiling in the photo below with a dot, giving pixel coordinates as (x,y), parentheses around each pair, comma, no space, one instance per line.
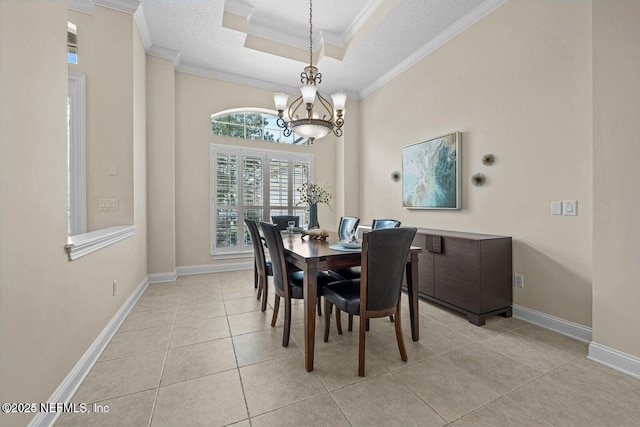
(358,44)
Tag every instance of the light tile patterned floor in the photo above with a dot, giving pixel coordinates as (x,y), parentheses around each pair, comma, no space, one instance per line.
(200,352)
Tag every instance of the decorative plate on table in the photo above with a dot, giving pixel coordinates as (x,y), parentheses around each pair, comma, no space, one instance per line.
(339,247)
(349,244)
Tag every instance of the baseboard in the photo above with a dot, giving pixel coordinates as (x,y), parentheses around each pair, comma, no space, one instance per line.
(615,359)
(198,269)
(69,386)
(556,324)
(213,268)
(163,277)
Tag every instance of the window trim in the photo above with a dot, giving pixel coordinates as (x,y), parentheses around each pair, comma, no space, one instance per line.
(267,156)
(77,154)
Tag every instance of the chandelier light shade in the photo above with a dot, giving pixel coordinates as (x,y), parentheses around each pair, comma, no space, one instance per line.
(311,115)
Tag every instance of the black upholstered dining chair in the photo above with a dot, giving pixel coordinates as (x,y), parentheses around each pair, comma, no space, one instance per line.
(378,224)
(288,283)
(347,227)
(282,221)
(354,272)
(377,292)
(262,266)
(351,273)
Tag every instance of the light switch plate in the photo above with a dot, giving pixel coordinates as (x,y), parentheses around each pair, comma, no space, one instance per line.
(556,208)
(570,207)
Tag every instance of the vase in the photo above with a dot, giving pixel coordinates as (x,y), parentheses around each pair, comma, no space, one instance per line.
(313,217)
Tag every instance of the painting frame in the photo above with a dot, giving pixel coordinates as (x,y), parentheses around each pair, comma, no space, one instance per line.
(431,173)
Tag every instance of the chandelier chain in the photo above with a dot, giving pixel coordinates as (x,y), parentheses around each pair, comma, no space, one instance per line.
(310,32)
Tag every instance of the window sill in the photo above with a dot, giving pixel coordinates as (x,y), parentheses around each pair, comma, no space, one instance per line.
(84,244)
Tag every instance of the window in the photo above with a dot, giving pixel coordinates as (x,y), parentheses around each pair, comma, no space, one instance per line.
(252,125)
(76,181)
(72,43)
(256,184)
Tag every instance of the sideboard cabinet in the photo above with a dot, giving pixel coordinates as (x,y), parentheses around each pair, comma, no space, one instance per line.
(467,272)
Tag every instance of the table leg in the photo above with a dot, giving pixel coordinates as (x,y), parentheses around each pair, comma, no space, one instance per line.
(310,300)
(412,290)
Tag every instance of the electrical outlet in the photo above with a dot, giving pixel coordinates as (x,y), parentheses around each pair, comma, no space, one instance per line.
(518,280)
(115,287)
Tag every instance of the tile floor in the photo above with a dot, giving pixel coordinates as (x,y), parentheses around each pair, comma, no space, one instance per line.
(200,352)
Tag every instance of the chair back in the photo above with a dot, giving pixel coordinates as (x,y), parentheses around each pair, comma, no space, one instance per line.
(348,226)
(384,253)
(273,237)
(378,224)
(256,241)
(282,221)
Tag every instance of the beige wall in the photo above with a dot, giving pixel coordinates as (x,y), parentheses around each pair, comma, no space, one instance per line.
(161,155)
(616,175)
(516,84)
(105,55)
(52,309)
(196,99)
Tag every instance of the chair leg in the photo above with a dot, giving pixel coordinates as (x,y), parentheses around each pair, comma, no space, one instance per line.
(287,322)
(338,320)
(367,325)
(399,338)
(327,319)
(319,306)
(255,278)
(276,306)
(350,322)
(391,318)
(361,345)
(264,287)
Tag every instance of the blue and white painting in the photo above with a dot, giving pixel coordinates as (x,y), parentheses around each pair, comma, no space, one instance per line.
(430,173)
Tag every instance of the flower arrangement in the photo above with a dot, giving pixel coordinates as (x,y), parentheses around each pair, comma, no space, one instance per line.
(312,194)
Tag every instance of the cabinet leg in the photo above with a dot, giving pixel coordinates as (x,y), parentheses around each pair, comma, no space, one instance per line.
(475,319)
(507,313)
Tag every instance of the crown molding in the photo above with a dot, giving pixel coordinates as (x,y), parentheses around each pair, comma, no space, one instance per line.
(241,17)
(143,28)
(164,53)
(458,27)
(234,78)
(127,6)
(248,81)
(82,6)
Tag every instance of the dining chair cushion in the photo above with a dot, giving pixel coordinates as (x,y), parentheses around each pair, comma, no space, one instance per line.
(296,279)
(347,273)
(345,295)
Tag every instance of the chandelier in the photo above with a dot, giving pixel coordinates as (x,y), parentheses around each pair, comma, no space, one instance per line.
(310,115)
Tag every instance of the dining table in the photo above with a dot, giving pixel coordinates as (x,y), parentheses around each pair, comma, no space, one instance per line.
(313,255)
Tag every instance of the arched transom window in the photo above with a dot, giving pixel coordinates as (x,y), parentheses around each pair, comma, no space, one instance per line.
(252,123)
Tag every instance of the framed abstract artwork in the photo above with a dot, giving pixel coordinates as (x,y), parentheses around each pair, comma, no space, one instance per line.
(431,173)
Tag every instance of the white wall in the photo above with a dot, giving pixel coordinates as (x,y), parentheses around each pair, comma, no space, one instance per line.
(52,309)
(517,84)
(616,175)
(196,99)
(161,154)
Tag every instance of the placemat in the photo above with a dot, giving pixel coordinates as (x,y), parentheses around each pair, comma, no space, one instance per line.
(339,247)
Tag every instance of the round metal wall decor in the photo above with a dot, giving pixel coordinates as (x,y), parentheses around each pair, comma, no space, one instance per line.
(478,179)
(488,159)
